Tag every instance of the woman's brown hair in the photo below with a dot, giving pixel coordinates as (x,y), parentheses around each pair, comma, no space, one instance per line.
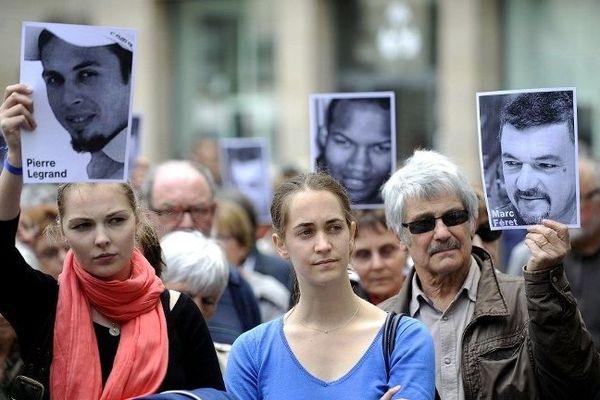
(313,181)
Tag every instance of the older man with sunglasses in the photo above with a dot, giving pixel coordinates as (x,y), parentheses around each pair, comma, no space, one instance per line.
(496,336)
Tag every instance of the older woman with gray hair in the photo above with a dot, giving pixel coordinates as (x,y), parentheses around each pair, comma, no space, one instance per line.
(197,266)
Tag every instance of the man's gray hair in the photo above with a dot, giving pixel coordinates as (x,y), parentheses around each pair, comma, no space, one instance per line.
(425,175)
(195,260)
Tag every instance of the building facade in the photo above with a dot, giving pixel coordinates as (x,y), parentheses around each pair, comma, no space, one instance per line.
(245,68)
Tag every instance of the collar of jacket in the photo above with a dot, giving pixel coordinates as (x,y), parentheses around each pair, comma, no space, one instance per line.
(490,299)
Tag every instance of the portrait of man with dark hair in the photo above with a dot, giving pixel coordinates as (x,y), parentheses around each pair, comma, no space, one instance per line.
(87,73)
(538,158)
(354,141)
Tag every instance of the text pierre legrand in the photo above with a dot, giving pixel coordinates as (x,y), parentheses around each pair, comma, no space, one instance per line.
(46,171)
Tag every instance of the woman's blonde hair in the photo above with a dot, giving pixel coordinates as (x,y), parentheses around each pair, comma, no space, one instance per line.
(231,219)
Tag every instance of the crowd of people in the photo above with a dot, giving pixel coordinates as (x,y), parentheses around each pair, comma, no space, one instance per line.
(172,285)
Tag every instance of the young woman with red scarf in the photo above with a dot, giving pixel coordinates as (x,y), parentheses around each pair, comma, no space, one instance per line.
(107,329)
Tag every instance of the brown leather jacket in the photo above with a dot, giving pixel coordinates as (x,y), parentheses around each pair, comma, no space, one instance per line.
(526,339)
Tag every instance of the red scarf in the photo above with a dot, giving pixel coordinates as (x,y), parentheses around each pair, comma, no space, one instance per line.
(140,364)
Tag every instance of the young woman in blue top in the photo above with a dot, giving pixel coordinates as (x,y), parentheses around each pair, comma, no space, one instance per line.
(329,345)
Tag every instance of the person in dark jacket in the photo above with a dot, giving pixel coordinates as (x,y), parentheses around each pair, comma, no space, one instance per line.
(496,336)
(181,196)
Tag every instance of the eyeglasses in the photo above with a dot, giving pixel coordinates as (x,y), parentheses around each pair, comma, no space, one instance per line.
(450,218)
(486,234)
(175,215)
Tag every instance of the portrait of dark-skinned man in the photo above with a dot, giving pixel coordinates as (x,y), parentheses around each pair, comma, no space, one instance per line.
(355,146)
(88,90)
(538,154)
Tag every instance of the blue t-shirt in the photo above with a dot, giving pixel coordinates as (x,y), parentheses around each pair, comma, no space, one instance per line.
(261,365)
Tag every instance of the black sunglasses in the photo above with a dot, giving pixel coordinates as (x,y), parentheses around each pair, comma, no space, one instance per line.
(486,234)
(450,218)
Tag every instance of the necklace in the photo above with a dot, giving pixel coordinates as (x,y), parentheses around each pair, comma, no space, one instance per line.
(335,328)
(114,330)
(98,318)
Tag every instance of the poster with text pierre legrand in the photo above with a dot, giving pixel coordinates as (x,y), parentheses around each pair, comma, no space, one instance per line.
(82,81)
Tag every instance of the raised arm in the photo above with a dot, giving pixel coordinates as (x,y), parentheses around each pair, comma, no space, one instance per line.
(567,363)
(16,113)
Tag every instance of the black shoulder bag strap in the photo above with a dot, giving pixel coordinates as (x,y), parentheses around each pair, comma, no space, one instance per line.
(389,340)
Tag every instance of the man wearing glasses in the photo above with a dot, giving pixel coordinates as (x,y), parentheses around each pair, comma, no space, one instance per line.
(181,197)
(496,336)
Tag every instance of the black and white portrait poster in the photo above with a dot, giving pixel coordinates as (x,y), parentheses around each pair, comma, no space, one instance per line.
(82,81)
(528,145)
(353,138)
(244,166)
